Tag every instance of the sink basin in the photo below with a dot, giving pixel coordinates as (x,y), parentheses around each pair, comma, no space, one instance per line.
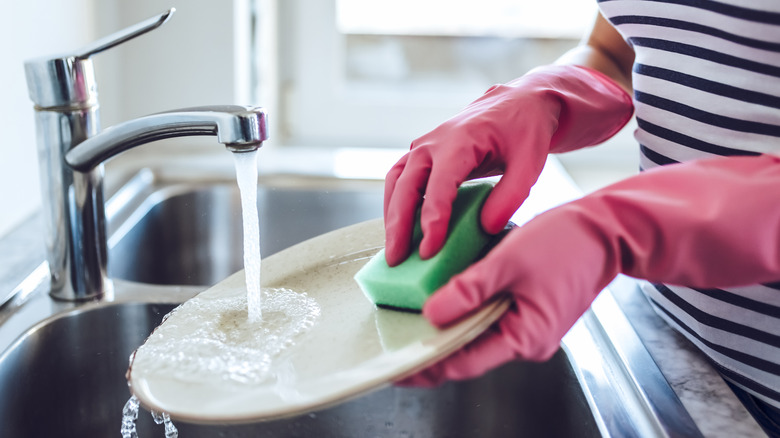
(191,233)
(66,378)
(62,364)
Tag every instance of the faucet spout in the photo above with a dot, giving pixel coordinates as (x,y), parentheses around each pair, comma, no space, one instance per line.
(239,128)
(72,148)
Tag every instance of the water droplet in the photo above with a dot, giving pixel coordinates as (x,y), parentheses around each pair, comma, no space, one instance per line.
(129,416)
(157,417)
(170,429)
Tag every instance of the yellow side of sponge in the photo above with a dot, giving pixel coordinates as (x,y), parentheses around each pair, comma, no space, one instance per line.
(409,284)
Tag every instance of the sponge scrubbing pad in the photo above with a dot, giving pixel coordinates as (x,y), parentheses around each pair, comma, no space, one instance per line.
(409,284)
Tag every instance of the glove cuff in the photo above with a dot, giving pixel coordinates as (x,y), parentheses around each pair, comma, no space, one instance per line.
(593,107)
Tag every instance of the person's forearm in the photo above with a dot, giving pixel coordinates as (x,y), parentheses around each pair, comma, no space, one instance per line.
(604,50)
(591,57)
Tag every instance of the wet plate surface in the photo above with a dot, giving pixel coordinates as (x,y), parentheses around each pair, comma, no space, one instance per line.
(320,340)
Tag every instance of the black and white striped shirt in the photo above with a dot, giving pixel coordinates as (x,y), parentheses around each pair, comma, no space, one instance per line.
(707,83)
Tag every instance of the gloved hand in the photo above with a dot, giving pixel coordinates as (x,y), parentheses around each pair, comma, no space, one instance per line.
(509,130)
(706,224)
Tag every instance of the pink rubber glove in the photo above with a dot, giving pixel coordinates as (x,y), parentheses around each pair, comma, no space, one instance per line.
(706,224)
(509,130)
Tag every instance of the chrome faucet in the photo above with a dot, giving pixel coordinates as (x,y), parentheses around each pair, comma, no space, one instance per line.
(71,152)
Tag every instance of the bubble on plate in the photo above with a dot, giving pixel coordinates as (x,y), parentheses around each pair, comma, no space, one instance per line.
(211,339)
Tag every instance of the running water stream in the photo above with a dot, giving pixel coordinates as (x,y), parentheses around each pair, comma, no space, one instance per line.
(246,174)
(130,416)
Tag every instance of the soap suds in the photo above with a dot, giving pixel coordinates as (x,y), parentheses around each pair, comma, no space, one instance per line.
(212,340)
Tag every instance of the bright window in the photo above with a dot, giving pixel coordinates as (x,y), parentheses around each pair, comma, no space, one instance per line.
(360,73)
(503,18)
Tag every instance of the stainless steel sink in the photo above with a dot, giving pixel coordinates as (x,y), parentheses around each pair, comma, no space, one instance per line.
(62,366)
(190,233)
(46,393)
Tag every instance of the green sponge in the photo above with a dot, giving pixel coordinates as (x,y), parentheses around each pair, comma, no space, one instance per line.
(409,284)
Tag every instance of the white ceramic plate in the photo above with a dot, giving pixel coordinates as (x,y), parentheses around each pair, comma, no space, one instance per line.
(352,348)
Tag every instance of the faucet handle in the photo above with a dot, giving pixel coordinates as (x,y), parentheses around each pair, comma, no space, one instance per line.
(68,81)
(123,35)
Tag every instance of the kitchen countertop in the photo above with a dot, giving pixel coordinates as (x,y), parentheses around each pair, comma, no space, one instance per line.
(711,404)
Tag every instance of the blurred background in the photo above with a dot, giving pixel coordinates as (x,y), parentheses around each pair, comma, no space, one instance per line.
(332,73)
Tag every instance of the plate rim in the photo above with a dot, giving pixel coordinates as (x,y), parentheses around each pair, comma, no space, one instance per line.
(471,327)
